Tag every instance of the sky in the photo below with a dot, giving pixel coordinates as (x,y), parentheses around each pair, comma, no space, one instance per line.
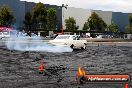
(105,5)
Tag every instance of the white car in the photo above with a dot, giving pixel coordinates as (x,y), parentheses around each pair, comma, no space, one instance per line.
(4,35)
(72,41)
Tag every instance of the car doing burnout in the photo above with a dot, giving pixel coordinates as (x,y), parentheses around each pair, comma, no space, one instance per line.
(72,41)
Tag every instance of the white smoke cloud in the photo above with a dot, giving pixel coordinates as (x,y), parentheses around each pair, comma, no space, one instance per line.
(21,42)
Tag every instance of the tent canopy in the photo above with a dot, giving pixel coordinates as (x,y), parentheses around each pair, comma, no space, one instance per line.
(5,29)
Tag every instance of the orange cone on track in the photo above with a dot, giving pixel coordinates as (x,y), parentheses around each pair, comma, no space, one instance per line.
(126,85)
(41,67)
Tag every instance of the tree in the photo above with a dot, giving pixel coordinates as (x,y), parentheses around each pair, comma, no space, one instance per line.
(96,23)
(86,26)
(6,17)
(51,18)
(130,23)
(70,24)
(39,17)
(28,21)
(128,29)
(112,27)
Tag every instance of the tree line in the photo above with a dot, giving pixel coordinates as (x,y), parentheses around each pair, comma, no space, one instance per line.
(94,23)
(40,18)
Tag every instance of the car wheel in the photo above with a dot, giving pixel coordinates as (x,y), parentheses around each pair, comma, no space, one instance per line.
(72,46)
(84,47)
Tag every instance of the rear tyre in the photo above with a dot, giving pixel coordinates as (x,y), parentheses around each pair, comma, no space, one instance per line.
(72,46)
(84,47)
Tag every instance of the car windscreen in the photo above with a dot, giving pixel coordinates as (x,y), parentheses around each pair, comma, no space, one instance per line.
(62,37)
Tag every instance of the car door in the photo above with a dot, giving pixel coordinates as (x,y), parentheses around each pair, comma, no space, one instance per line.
(76,42)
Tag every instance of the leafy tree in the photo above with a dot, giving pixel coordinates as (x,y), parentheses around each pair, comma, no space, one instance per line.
(39,17)
(130,19)
(6,17)
(86,26)
(96,23)
(128,29)
(70,24)
(112,27)
(28,20)
(130,22)
(51,18)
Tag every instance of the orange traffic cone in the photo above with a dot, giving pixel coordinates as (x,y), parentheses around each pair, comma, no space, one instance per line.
(126,85)
(41,67)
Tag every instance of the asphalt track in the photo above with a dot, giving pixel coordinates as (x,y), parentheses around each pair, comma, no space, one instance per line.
(20,69)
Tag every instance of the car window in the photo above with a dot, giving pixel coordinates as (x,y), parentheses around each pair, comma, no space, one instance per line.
(78,38)
(74,37)
(62,37)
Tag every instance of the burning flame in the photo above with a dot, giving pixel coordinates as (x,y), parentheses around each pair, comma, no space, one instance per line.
(81,72)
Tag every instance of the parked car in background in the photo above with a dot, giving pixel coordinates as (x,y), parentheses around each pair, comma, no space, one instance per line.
(4,35)
(72,41)
(5,32)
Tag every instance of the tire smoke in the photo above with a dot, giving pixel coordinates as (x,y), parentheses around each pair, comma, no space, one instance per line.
(19,41)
